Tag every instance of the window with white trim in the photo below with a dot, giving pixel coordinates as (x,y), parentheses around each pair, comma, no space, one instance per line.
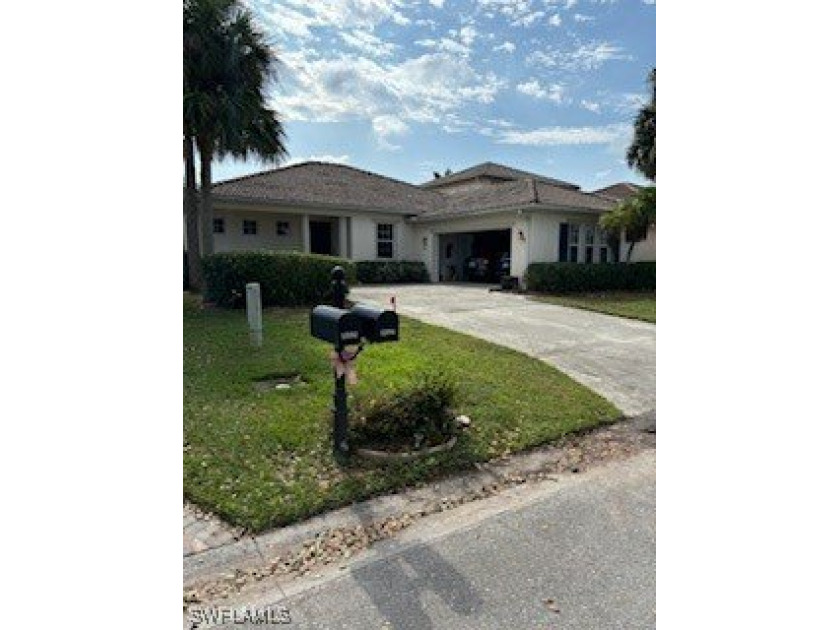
(589,240)
(574,241)
(384,240)
(604,246)
(249,227)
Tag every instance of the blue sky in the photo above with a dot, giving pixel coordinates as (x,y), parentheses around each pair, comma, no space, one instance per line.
(408,87)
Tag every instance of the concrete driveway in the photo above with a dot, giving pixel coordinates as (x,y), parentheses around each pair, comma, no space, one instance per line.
(615,357)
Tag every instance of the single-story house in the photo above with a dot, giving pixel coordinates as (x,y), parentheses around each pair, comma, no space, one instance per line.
(487,210)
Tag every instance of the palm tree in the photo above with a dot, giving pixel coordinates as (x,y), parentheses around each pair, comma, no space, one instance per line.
(641,154)
(227,66)
(634,217)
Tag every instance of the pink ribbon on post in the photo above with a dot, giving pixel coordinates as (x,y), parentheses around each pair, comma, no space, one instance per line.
(344,364)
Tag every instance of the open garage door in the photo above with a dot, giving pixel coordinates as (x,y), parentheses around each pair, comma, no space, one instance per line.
(482,256)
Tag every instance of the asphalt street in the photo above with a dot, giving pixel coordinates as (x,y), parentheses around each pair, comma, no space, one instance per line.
(576,552)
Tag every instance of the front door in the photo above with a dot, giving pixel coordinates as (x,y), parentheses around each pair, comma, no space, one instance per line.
(320,237)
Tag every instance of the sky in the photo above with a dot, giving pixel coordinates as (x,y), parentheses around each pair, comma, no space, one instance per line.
(404,88)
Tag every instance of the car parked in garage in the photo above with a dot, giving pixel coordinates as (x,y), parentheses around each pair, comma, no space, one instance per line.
(477,269)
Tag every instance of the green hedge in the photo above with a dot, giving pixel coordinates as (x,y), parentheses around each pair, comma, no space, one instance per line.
(574,277)
(383,272)
(286,279)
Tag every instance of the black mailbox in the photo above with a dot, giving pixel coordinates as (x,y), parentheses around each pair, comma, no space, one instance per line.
(377,324)
(335,325)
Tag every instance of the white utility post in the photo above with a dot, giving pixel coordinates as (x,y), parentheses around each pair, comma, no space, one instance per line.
(253,304)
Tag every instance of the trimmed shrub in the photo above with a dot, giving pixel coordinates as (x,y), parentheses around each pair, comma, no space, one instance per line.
(578,278)
(386,272)
(417,415)
(286,278)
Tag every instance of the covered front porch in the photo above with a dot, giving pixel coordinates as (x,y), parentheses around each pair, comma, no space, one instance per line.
(247,229)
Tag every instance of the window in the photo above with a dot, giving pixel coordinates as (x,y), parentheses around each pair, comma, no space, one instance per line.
(218,226)
(385,240)
(282,228)
(589,239)
(604,247)
(249,227)
(574,240)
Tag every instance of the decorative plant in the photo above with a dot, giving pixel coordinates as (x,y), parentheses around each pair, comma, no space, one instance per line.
(418,415)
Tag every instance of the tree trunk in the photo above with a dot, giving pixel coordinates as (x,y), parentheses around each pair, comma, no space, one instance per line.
(630,251)
(205,154)
(196,277)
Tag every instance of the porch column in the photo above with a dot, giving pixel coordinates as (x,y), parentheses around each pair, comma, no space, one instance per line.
(305,232)
(342,238)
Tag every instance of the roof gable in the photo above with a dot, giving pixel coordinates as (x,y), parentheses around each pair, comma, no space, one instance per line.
(493,171)
(619,191)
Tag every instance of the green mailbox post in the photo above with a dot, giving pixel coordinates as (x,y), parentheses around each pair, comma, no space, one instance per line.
(343,328)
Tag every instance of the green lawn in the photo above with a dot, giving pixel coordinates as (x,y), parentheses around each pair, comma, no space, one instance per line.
(263,458)
(635,305)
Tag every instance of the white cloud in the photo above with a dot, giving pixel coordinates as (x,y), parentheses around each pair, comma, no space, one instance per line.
(297,18)
(468,34)
(400,19)
(590,56)
(367,43)
(535,89)
(592,106)
(437,3)
(528,19)
(579,17)
(444,44)
(335,159)
(555,136)
(420,89)
(387,126)
(555,20)
(507,47)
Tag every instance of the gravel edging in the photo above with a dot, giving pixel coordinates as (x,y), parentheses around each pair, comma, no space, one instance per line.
(298,549)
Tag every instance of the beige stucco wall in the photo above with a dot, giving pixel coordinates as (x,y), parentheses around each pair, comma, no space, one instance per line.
(354,232)
(644,251)
(266,237)
(363,237)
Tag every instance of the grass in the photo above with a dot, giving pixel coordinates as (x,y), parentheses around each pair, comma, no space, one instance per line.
(261,459)
(633,305)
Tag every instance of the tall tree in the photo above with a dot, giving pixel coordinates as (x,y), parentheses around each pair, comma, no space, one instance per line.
(228,64)
(641,154)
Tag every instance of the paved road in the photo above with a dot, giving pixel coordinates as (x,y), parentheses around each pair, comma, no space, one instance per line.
(615,357)
(574,553)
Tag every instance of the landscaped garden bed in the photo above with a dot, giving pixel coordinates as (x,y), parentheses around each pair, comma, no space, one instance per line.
(259,452)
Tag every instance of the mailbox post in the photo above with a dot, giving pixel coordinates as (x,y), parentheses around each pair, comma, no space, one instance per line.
(340,423)
(343,328)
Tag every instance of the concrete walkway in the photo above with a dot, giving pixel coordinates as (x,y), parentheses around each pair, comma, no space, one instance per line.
(615,357)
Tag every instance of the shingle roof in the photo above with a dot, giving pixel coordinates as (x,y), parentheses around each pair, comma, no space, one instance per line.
(326,184)
(322,184)
(619,191)
(516,194)
(497,171)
